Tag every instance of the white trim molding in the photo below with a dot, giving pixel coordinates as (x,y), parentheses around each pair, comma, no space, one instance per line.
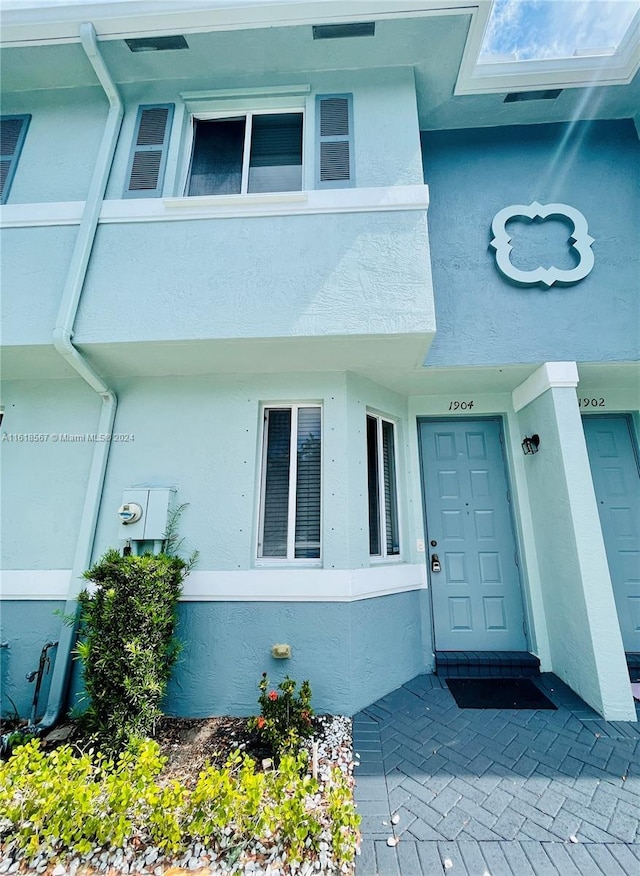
(35,215)
(228,99)
(19,584)
(548,376)
(251,585)
(379,199)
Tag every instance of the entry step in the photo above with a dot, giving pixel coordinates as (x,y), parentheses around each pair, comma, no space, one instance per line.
(633,665)
(487,664)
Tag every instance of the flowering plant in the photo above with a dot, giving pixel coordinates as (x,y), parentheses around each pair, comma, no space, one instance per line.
(285,717)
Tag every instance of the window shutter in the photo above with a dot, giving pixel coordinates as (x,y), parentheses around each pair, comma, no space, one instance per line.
(13,130)
(145,171)
(334,135)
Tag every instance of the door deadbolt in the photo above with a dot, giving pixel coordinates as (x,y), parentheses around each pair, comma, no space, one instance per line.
(435,563)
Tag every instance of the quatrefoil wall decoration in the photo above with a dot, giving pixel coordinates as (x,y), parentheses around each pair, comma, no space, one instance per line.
(580,241)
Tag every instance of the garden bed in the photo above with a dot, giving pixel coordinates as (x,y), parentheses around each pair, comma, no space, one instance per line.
(189,746)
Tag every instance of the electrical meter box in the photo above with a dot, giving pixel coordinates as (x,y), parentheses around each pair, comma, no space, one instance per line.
(155,504)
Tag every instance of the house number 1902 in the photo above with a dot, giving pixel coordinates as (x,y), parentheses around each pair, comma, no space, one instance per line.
(460,405)
(591,402)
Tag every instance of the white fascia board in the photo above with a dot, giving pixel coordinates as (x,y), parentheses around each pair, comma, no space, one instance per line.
(24,25)
(549,376)
(576,72)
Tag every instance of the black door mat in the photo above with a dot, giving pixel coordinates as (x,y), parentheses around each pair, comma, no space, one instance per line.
(497,693)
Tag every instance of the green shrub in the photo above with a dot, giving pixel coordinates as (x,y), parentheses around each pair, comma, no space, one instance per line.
(62,802)
(127,644)
(285,717)
(65,805)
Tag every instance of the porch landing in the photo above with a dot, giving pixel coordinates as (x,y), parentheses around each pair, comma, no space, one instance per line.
(495,792)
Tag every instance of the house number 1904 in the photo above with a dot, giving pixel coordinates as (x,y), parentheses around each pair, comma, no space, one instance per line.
(460,405)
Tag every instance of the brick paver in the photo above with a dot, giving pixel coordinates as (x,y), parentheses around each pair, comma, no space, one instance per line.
(495,792)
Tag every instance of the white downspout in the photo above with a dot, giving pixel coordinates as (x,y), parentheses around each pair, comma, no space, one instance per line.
(62,335)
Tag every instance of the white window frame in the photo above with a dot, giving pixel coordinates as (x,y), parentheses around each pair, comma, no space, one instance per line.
(236,112)
(383,556)
(290,558)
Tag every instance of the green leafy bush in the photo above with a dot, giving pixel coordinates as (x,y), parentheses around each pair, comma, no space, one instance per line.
(127,643)
(285,717)
(65,805)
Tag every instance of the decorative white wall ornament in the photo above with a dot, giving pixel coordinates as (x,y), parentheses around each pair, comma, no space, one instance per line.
(580,240)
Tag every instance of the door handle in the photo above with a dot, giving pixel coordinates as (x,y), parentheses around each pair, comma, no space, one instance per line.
(435,563)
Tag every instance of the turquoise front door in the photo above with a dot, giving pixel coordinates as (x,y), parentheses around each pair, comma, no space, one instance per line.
(614,469)
(476,592)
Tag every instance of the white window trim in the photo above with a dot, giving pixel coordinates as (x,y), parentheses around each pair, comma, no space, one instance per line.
(290,559)
(384,557)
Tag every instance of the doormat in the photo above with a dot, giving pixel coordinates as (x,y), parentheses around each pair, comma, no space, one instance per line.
(497,693)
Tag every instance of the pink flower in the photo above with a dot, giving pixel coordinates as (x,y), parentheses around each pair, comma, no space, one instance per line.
(261,722)
(273,696)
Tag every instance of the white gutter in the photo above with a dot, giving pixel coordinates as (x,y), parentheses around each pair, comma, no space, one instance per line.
(62,341)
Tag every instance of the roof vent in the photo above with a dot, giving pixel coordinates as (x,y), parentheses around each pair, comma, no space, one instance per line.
(517,96)
(341,31)
(157,44)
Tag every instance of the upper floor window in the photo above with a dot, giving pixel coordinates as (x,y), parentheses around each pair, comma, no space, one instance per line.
(246,143)
(254,152)
(384,532)
(13,130)
(290,507)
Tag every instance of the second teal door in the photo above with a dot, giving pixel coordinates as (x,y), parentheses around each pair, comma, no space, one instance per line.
(616,481)
(476,591)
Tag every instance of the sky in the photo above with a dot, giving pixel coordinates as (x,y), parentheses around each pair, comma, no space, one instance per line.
(537,29)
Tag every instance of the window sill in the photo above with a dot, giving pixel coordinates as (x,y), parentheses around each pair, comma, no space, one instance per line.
(222,201)
(280,563)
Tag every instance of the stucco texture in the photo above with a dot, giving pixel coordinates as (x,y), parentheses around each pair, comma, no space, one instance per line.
(33,271)
(258,277)
(44,481)
(25,641)
(485,319)
(352,653)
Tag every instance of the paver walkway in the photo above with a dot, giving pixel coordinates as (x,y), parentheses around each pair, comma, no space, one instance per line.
(495,792)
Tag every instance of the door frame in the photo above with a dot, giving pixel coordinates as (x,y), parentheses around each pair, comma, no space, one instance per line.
(512,519)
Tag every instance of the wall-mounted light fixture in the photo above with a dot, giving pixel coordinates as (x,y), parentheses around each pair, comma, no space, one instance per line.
(531,445)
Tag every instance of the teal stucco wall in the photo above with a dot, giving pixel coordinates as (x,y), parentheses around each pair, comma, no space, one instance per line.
(26,628)
(352,653)
(483,318)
